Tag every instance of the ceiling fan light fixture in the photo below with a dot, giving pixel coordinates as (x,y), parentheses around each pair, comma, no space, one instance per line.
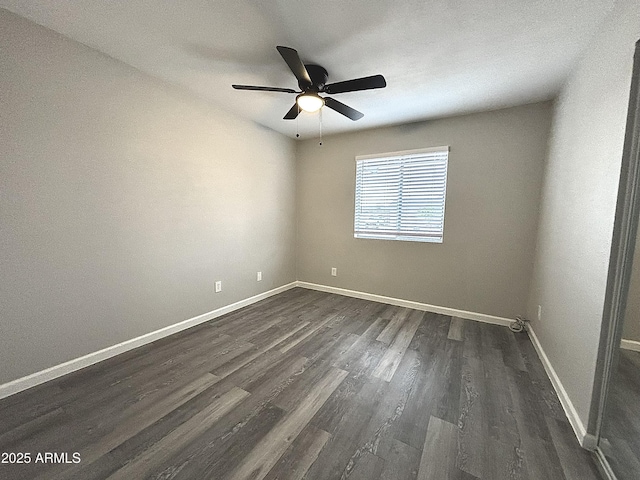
(310,102)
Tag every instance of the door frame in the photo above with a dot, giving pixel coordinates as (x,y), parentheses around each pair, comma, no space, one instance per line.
(623,243)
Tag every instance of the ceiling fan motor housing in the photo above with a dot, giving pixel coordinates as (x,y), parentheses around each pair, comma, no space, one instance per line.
(318,77)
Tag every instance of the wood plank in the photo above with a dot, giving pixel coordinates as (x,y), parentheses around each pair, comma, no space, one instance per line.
(438,458)
(347,435)
(390,331)
(438,377)
(436,391)
(489,444)
(456,329)
(266,454)
(367,426)
(401,462)
(449,383)
(377,437)
(576,463)
(108,382)
(215,455)
(288,345)
(239,362)
(623,459)
(358,315)
(251,316)
(336,407)
(289,399)
(319,345)
(539,454)
(136,418)
(257,379)
(368,467)
(362,344)
(181,435)
(621,428)
(93,420)
(432,331)
(510,352)
(13,436)
(543,391)
(250,330)
(390,361)
(304,450)
(221,448)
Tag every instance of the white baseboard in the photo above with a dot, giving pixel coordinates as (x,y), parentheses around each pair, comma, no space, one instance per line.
(480,317)
(630,345)
(586,440)
(56,371)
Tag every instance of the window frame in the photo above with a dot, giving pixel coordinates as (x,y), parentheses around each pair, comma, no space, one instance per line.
(399,234)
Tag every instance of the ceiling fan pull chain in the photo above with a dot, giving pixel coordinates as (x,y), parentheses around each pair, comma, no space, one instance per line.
(320,112)
(298,122)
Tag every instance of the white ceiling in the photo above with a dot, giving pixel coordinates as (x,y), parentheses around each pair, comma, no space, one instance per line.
(439,57)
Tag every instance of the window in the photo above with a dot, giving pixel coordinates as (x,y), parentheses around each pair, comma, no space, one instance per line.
(401,195)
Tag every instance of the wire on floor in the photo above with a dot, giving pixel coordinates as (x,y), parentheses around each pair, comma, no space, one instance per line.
(518,325)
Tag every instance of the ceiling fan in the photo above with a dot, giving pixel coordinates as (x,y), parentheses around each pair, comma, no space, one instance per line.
(312,80)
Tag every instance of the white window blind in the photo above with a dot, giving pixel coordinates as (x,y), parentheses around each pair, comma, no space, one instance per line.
(401,195)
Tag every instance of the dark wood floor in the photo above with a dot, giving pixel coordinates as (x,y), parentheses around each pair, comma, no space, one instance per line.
(621,427)
(305,385)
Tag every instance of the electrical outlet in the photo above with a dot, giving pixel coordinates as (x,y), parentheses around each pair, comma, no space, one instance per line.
(539,312)
(218,286)
(259,276)
(334,272)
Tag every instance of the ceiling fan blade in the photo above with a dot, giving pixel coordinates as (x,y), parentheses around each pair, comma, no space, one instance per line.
(364,83)
(293,113)
(263,89)
(345,110)
(295,64)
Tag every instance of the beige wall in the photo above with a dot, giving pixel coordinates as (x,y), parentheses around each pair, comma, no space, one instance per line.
(578,204)
(494,177)
(631,328)
(122,200)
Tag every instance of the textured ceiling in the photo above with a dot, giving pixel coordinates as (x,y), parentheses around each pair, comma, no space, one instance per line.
(440,58)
